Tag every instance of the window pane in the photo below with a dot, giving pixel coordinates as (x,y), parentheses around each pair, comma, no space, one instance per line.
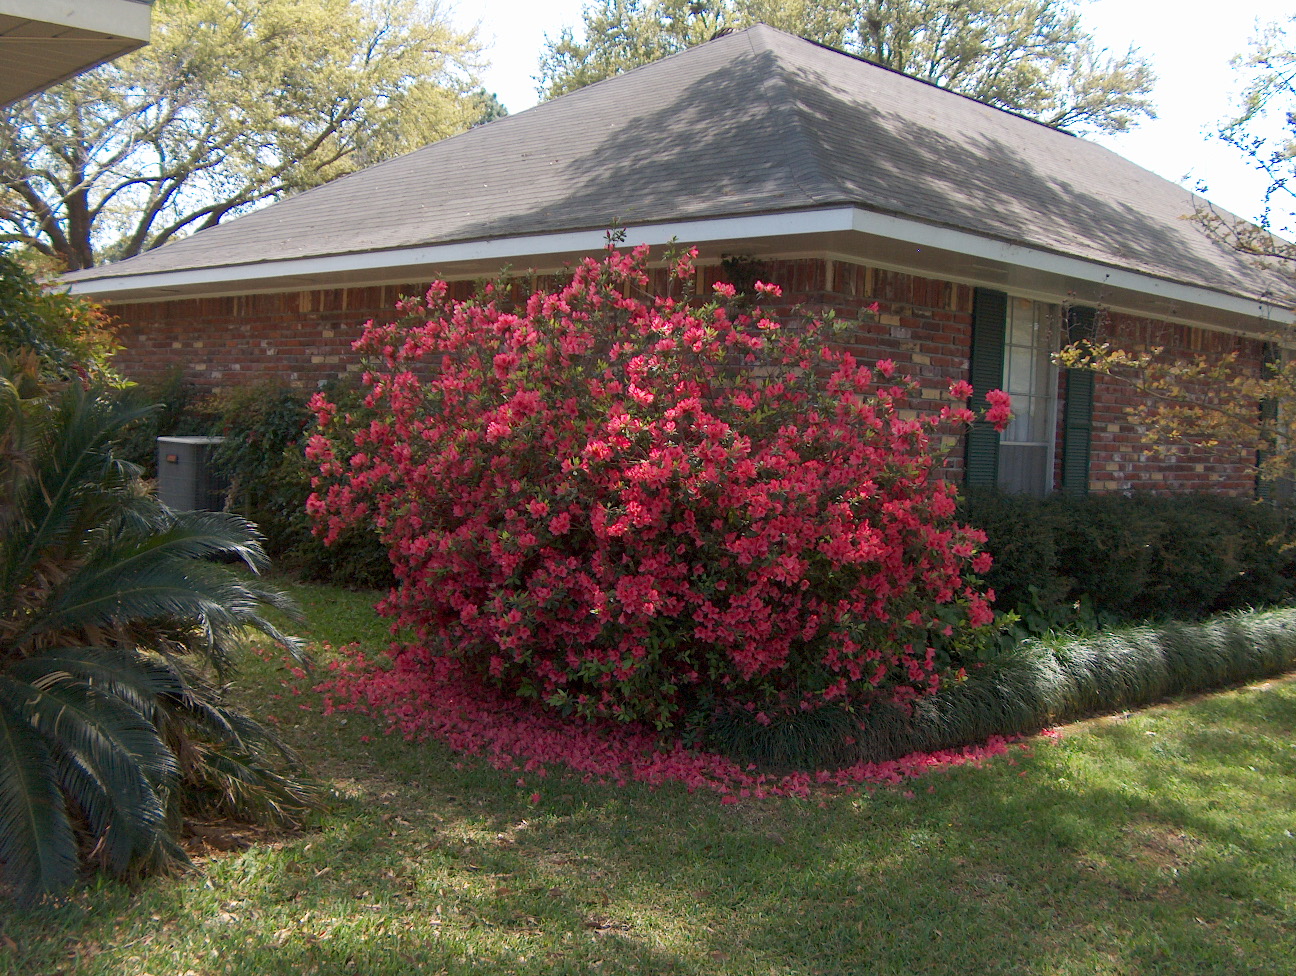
(1024,468)
(1018,368)
(1021,318)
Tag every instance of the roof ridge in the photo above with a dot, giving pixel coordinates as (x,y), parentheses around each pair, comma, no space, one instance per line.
(806,145)
(648,64)
(471,130)
(908,77)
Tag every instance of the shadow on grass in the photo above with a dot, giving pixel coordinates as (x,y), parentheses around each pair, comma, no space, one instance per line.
(1154,844)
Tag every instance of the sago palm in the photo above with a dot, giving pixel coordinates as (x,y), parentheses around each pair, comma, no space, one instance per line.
(117,618)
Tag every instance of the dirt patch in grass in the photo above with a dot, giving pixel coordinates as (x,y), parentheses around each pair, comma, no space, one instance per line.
(204,840)
(1161,847)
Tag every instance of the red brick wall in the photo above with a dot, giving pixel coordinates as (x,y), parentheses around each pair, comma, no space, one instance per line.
(296,338)
(304,338)
(1120,460)
(299,338)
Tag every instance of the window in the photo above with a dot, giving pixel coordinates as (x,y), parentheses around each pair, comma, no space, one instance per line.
(1013,340)
(1030,378)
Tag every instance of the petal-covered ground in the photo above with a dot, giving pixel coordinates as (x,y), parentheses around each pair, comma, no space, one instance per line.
(521,736)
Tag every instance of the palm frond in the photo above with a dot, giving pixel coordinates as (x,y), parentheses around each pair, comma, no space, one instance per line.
(136,678)
(111,607)
(124,828)
(231,762)
(200,712)
(105,729)
(231,782)
(169,577)
(74,485)
(112,764)
(37,845)
(220,536)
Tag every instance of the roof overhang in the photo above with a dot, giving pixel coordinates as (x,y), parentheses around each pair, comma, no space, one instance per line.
(43,42)
(845,232)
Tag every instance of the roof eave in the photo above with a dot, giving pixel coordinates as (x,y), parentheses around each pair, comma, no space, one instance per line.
(849,232)
(42,44)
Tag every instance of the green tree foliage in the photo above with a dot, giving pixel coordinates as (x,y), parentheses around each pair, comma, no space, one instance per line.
(115,616)
(234,102)
(1264,131)
(70,336)
(1028,56)
(489,107)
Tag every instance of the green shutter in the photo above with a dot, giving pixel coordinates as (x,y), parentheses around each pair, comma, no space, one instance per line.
(1265,487)
(1077,425)
(989,319)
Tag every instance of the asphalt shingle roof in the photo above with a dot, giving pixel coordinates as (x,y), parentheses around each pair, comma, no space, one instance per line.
(755,122)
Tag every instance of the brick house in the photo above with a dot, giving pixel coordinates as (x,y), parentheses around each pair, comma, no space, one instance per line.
(985,238)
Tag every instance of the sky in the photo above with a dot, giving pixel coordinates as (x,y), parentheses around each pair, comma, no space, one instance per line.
(1189,50)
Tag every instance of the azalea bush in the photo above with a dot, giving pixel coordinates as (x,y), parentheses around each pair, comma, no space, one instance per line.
(650,507)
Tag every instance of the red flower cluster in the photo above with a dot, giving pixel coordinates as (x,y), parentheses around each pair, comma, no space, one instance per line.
(650,508)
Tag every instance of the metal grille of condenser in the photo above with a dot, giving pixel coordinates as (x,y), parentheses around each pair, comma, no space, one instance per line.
(187,480)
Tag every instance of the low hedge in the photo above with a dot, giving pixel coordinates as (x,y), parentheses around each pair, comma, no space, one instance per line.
(1033,686)
(1135,557)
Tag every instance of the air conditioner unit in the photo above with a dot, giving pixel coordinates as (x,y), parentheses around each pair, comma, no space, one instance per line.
(187,480)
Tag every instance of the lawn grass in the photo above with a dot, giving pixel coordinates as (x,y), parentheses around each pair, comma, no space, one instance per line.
(1157,842)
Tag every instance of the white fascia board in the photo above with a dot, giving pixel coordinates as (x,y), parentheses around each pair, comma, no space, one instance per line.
(500,251)
(113,18)
(262,276)
(1046,262)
